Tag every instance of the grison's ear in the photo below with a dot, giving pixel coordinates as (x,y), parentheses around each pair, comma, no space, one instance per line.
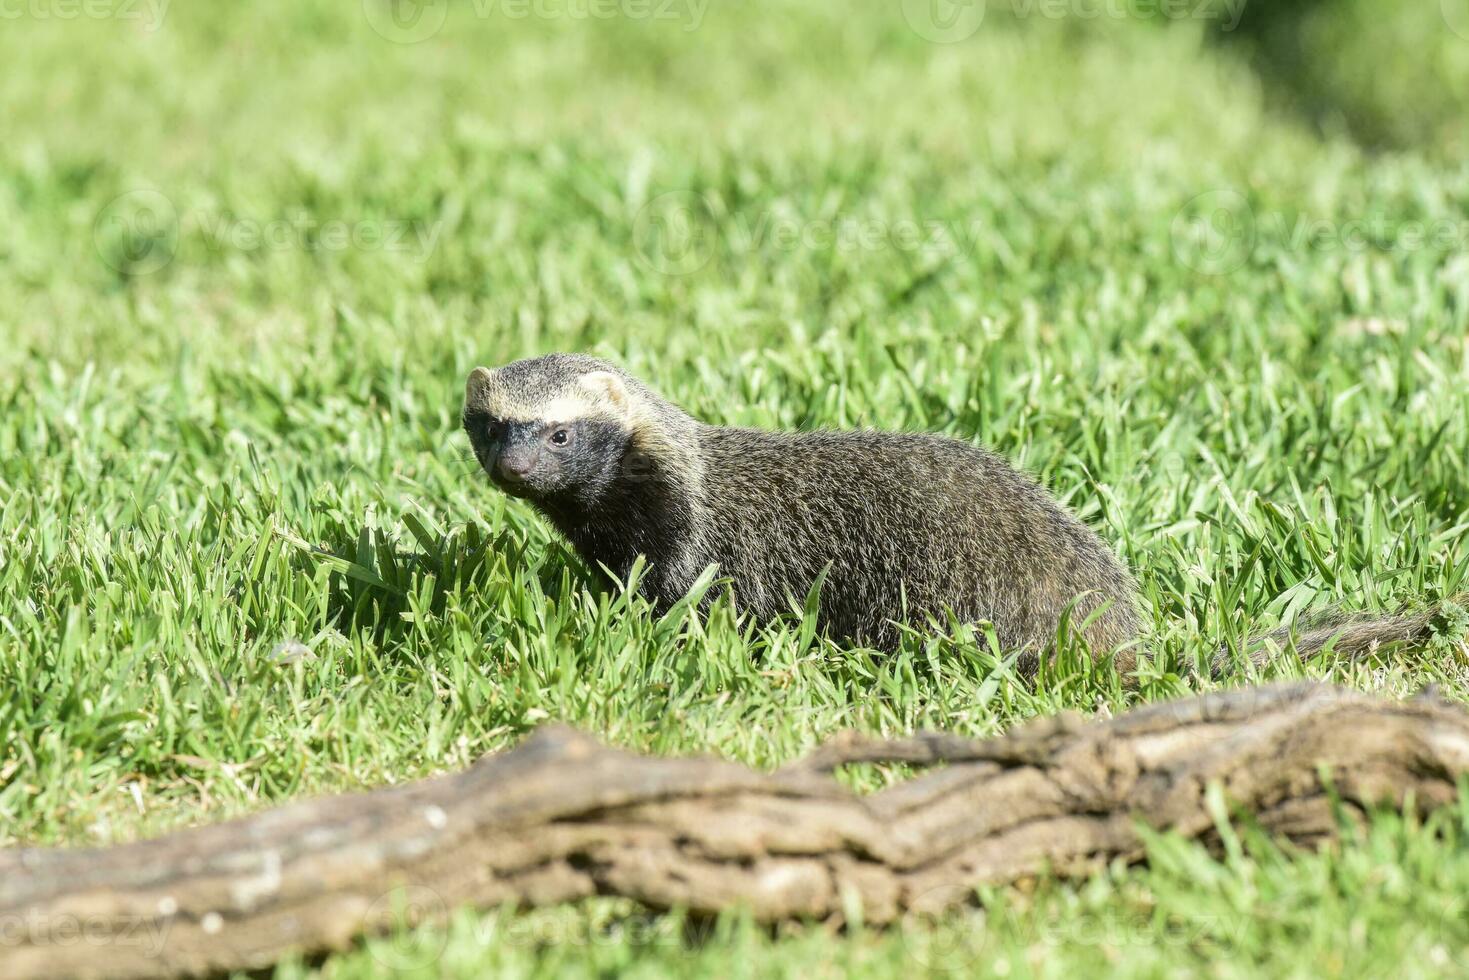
(610,390)
(477,385)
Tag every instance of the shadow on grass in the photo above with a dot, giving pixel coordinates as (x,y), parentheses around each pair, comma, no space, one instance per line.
(376,579)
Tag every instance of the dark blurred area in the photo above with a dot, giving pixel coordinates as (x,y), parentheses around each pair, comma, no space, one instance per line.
(1391,74)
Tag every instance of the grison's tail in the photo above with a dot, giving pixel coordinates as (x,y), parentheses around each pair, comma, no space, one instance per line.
(1352,637)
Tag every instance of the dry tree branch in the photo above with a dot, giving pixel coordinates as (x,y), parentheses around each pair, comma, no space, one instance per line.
(561,817)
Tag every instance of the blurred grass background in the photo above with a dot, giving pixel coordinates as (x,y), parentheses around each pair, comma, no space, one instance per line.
(1208,282)
(1392,76)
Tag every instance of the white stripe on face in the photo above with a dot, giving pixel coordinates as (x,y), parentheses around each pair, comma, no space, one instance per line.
(567,408)
(485,392)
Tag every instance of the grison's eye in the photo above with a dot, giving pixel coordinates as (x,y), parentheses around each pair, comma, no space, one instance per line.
(562,438)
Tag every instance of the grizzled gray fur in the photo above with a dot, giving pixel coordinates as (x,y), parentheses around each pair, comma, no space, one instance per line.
(906,525)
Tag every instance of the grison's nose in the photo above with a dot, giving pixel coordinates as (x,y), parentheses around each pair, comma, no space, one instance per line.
(515,464)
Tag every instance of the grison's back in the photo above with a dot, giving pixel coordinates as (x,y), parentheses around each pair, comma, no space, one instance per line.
(953,526)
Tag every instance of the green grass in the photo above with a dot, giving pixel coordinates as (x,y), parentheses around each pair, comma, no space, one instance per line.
(228,421)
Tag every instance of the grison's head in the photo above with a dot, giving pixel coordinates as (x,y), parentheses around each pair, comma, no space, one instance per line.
(556,429)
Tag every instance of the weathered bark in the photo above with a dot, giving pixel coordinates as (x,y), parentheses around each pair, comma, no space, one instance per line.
(561,817)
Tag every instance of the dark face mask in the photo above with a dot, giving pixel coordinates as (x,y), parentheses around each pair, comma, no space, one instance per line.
(540,461)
